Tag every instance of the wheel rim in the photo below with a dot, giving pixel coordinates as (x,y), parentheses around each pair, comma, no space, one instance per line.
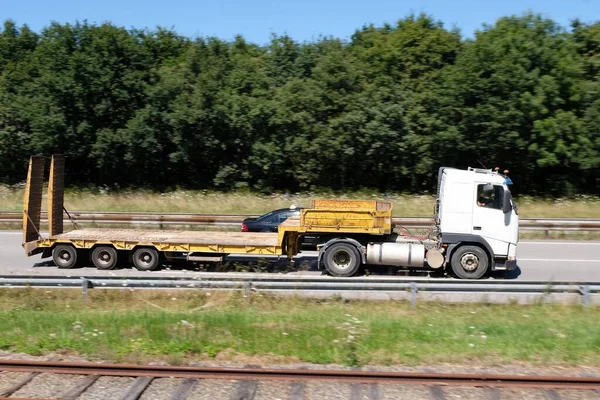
(64,256)
(145,259)
(469,262)
(341,259)
(104,258)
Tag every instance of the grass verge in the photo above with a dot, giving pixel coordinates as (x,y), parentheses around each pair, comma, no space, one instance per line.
(136,326)
(201,202)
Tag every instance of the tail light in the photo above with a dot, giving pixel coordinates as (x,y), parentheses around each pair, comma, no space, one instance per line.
(244,227)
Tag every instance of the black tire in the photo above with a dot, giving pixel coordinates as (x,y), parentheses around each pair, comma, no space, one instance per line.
(341,259)
(145,259)
(104,257)
(64,256)
(470,262)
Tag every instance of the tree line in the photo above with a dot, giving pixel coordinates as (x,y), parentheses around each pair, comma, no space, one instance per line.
(380,110)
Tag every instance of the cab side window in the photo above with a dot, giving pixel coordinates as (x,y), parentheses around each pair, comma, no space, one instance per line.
(490,196)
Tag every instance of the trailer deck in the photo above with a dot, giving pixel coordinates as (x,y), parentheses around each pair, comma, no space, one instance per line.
(168,236)
(185,241)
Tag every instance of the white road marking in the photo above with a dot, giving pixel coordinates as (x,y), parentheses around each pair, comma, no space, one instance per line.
(562,243)
(556,260)
(168,271)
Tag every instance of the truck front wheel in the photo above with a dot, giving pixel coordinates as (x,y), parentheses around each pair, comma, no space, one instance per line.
(341,259)
(470,262)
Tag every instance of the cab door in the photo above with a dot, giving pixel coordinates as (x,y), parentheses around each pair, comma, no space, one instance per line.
(489,221)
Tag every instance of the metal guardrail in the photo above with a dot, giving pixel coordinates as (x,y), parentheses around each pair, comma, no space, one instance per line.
(460,289)
(162,220)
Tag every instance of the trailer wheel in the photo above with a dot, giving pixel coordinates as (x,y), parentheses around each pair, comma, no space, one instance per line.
(64,256)
(341,259)
(104,257)
(470,262)
(145,259)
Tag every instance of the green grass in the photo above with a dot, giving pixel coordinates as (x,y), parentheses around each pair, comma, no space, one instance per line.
(135,326)
(185,201)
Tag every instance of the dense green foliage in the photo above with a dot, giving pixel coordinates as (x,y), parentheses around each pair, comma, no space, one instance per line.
(382,110)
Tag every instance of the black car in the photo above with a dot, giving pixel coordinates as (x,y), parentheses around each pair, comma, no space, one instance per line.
(269,221)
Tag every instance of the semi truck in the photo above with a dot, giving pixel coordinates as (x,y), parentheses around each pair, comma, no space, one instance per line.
(475,231)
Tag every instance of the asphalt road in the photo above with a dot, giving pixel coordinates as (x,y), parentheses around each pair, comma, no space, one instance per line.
(538,261)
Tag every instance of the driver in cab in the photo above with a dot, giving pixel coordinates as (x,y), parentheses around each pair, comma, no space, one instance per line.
(485,196)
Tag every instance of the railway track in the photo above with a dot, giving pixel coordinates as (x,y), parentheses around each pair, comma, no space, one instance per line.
(69,380)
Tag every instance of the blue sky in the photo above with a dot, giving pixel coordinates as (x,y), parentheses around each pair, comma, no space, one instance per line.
(303,20)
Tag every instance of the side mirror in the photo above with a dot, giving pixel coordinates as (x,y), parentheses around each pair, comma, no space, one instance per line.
(506,203)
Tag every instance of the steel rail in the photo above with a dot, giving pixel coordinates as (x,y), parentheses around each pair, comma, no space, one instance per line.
(130,370)
(164,219)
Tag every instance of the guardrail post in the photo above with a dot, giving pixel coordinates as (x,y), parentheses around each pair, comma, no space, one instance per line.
(85,284)
(585,290)
(413,294)
(247,290)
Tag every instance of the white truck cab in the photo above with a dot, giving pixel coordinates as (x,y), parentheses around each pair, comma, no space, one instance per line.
(477,221)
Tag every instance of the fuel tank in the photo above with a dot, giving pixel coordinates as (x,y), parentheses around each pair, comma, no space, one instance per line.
(396,254)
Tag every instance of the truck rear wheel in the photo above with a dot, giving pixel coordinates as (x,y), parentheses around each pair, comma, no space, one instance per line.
(104,257)
(64,256)
(341,259)
(470,262)
(145,259)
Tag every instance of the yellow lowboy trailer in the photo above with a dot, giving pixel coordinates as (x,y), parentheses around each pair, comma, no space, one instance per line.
(347,226)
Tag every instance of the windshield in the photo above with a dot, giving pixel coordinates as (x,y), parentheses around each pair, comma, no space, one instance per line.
(512,201)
